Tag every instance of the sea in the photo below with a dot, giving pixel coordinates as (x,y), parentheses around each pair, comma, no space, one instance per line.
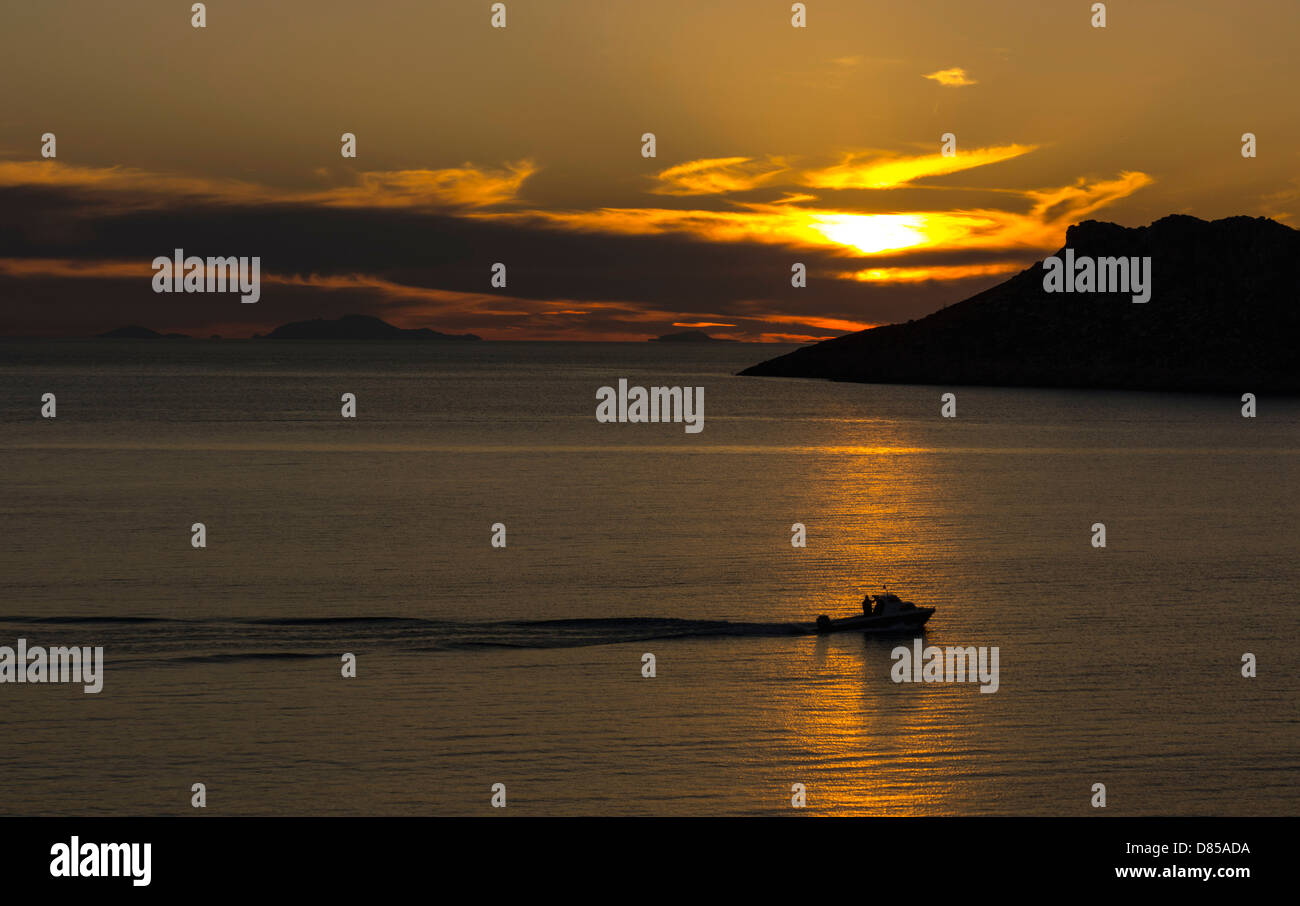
(525,665)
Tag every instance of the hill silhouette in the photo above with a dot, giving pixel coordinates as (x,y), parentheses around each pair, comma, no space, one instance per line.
(358,327)
(1222,316)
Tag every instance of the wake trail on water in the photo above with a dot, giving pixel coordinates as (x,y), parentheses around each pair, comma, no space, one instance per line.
(178,640)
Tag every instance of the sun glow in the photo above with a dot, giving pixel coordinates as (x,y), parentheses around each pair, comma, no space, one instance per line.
(871,233)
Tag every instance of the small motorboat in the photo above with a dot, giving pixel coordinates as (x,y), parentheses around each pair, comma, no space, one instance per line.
(890,613)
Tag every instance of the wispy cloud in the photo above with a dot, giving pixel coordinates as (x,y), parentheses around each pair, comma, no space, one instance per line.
(932,272)
(855,234)
(873,170)
(467,186)
(458,187)
(951,78)
(718,175)
(74,268)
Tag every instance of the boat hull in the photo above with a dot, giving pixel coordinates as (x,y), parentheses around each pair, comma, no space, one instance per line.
(905,621)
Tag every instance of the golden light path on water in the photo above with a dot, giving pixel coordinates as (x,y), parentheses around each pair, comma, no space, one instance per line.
(878,749)
(866,745)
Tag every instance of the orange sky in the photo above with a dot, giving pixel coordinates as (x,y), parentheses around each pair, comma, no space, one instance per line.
(522,145)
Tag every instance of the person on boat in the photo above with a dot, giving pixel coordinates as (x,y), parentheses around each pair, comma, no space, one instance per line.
(866,606)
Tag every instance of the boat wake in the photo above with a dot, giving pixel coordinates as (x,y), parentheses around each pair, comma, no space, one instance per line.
(160,640)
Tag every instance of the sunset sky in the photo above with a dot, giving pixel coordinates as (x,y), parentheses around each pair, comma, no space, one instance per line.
(522,145)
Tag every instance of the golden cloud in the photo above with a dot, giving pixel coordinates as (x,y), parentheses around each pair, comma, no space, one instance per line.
(822,323)
(936,272)
(866,171)
(718,175)
(851,233)
(68,267)
(459,187)
(951,78)
(794,221)
(467,186)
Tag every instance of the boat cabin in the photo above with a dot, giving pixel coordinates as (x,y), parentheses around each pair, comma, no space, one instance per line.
(886,604)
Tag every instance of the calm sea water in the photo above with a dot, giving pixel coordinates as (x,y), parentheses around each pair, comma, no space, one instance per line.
(523,666)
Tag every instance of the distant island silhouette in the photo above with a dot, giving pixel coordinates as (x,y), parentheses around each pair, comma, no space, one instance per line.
(348,327)
(1222,316)
(358,327)
(690,336)
(136,332)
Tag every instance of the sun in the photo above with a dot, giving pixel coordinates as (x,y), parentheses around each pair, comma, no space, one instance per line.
(871,233)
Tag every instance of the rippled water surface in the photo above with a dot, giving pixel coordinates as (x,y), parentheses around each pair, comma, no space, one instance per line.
(523,666)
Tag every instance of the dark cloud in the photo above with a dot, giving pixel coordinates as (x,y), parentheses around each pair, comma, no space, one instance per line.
(646,282)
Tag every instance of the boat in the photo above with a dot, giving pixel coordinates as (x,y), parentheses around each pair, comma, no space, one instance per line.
(884,612)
